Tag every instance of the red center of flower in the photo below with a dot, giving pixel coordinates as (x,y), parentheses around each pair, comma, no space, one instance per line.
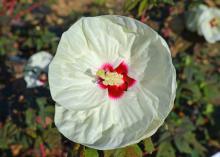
(116,80)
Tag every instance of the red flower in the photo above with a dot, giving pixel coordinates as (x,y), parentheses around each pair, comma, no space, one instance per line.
(116,90)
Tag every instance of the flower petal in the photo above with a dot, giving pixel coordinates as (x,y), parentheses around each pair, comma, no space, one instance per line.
(116,91)
(122,68)
(69,83)
(129,81)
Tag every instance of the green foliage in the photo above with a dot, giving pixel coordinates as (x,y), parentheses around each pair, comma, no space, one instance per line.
(130,151)
(100,2)
(91,152)
(166,150)
(6,134)
(143,5)
(7,44)
(148,145)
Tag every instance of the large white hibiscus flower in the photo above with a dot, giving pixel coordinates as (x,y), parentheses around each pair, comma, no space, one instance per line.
(206,21)
(113,82)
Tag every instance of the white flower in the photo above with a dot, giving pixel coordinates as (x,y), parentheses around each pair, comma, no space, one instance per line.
(113,81)
(216,154)
(37,65)
(206,21)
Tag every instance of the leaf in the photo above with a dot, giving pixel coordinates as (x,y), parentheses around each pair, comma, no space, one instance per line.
(182,145)
(3,143)
(166,150)
(49,110)
(169,2)
(91,152)
(31,132)
(191,138)
(142,7)
(166,135)
(41,104)
(100,2)
(148,145)
(41,101)
(109,153)
(133,151)
(208,109)
(30,117)
(211,92)
(194,88)
(119,153)
(130,151)
(52,137)
(131,4)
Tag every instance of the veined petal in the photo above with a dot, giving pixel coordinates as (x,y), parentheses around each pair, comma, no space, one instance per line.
(122,68)
(70,82)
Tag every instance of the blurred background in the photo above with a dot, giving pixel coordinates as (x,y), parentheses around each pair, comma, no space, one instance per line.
(29,34)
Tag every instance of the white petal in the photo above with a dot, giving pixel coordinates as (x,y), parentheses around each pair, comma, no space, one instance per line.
(73,85)
(160,76)
(115,124)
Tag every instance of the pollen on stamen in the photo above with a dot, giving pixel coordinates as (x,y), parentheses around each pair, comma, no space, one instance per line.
(115,80)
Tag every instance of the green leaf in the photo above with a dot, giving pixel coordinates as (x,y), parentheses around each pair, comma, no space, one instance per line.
(168,1)
(131,4)
(133,151)
(52,137)
(166,150)
(211,92)
(191,138)
(109,153)
(41,101)
(148,145)
(182,145)
(208,109)
(100,2)
(142,7)
(49,110)
(119,153)
(91,152)
(31,132)
(3,143)
(30,117)
(194,89)
(130,151)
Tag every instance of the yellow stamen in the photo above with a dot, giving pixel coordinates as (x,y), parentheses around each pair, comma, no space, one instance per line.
(101,74)
(110,78)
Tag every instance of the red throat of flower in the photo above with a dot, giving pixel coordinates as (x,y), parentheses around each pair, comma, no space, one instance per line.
(115,80)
